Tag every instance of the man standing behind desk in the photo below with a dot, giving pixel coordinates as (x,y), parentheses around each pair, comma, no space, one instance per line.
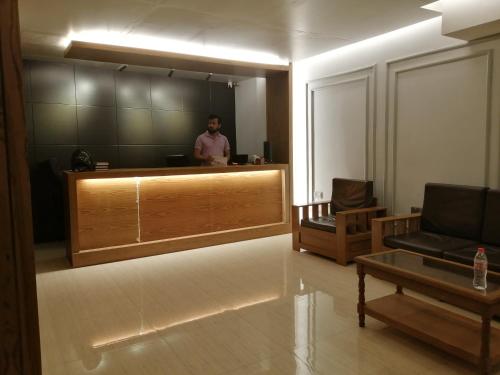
(212,146)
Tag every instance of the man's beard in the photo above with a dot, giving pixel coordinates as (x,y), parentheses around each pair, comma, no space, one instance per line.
(212,131)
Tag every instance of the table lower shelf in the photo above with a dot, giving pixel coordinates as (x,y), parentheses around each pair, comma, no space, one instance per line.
(434,325)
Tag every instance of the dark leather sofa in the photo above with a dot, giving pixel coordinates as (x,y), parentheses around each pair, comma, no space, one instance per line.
(454,222)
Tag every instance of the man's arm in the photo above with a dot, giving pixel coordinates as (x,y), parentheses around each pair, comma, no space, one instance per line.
(226,149)
(197,150)
(199,156)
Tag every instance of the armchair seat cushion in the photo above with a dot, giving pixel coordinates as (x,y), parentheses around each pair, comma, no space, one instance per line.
(326,223)
(427,243)
(466,256)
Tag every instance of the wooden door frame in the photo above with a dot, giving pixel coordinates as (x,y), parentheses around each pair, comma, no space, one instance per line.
(19,331)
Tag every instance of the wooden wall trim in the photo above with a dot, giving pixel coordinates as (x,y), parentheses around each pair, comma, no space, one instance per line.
(19,333)
(278,116)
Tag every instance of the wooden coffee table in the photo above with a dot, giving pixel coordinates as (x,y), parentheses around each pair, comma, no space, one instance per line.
(450,282)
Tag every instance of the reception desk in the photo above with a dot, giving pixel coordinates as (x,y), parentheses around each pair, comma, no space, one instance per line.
(129,213)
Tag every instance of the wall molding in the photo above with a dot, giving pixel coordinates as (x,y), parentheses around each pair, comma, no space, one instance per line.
(366,75)
(392,76)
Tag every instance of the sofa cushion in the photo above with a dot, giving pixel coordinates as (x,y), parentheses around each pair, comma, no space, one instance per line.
(427,243)
(454,210)
(466,256)
(491,223)
(322,223)
(349,194)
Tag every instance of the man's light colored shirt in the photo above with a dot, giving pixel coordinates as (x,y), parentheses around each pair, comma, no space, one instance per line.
(212,144)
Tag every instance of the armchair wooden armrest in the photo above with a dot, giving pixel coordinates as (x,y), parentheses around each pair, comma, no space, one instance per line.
(312,210)
(393,226)
(302,211)
(358,220)
(310,204)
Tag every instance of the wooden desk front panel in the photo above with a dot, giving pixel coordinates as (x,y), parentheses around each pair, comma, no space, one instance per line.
(179,206)
(106,212)
(130,213)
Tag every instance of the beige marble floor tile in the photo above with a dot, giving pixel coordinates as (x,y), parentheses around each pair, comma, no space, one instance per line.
(285,364)
(254,307)
(153,357)
(219,344)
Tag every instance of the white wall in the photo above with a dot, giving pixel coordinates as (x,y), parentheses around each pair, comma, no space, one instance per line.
(432,113)
(250,103)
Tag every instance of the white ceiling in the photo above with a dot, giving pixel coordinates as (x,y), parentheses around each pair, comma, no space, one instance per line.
(292,29)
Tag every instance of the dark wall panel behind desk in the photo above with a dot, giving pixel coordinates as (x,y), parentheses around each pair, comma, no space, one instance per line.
(132,120)
(129,119)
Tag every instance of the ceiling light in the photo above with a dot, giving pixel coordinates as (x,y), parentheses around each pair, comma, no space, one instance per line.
(436,6)
(172,45)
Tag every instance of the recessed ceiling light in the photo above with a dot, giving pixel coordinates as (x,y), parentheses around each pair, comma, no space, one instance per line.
(172,45)
(436,6)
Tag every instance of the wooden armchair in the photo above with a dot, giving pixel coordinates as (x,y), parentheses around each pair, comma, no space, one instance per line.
(393,226)
(322,228)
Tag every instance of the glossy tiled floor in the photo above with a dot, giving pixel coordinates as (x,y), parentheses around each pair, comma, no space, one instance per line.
(253,307)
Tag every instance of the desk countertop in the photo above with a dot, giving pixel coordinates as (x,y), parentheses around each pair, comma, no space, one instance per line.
(151,172)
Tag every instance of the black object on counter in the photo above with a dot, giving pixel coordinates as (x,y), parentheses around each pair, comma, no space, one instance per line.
(81,161)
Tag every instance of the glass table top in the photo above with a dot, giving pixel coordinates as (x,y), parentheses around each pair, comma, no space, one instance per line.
(435,268)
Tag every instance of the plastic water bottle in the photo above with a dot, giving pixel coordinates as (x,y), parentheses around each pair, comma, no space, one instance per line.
(480,269)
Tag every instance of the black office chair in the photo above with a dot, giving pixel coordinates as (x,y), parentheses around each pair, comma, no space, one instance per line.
(240,159)
(47,201)
(180,160)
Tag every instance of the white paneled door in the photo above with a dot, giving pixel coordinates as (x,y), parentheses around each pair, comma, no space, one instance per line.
(439,126)
(340,123)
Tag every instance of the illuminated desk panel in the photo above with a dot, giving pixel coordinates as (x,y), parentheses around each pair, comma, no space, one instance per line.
(123,214)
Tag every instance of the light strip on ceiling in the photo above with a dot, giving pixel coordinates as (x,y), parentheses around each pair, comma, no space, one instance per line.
(375,41)
(436,6)
(172,45)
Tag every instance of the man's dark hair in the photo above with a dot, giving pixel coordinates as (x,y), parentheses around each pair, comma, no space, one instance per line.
(213,116)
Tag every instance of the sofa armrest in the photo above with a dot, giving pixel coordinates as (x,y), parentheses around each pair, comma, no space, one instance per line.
(391,226)
(397,218)
(363,210)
